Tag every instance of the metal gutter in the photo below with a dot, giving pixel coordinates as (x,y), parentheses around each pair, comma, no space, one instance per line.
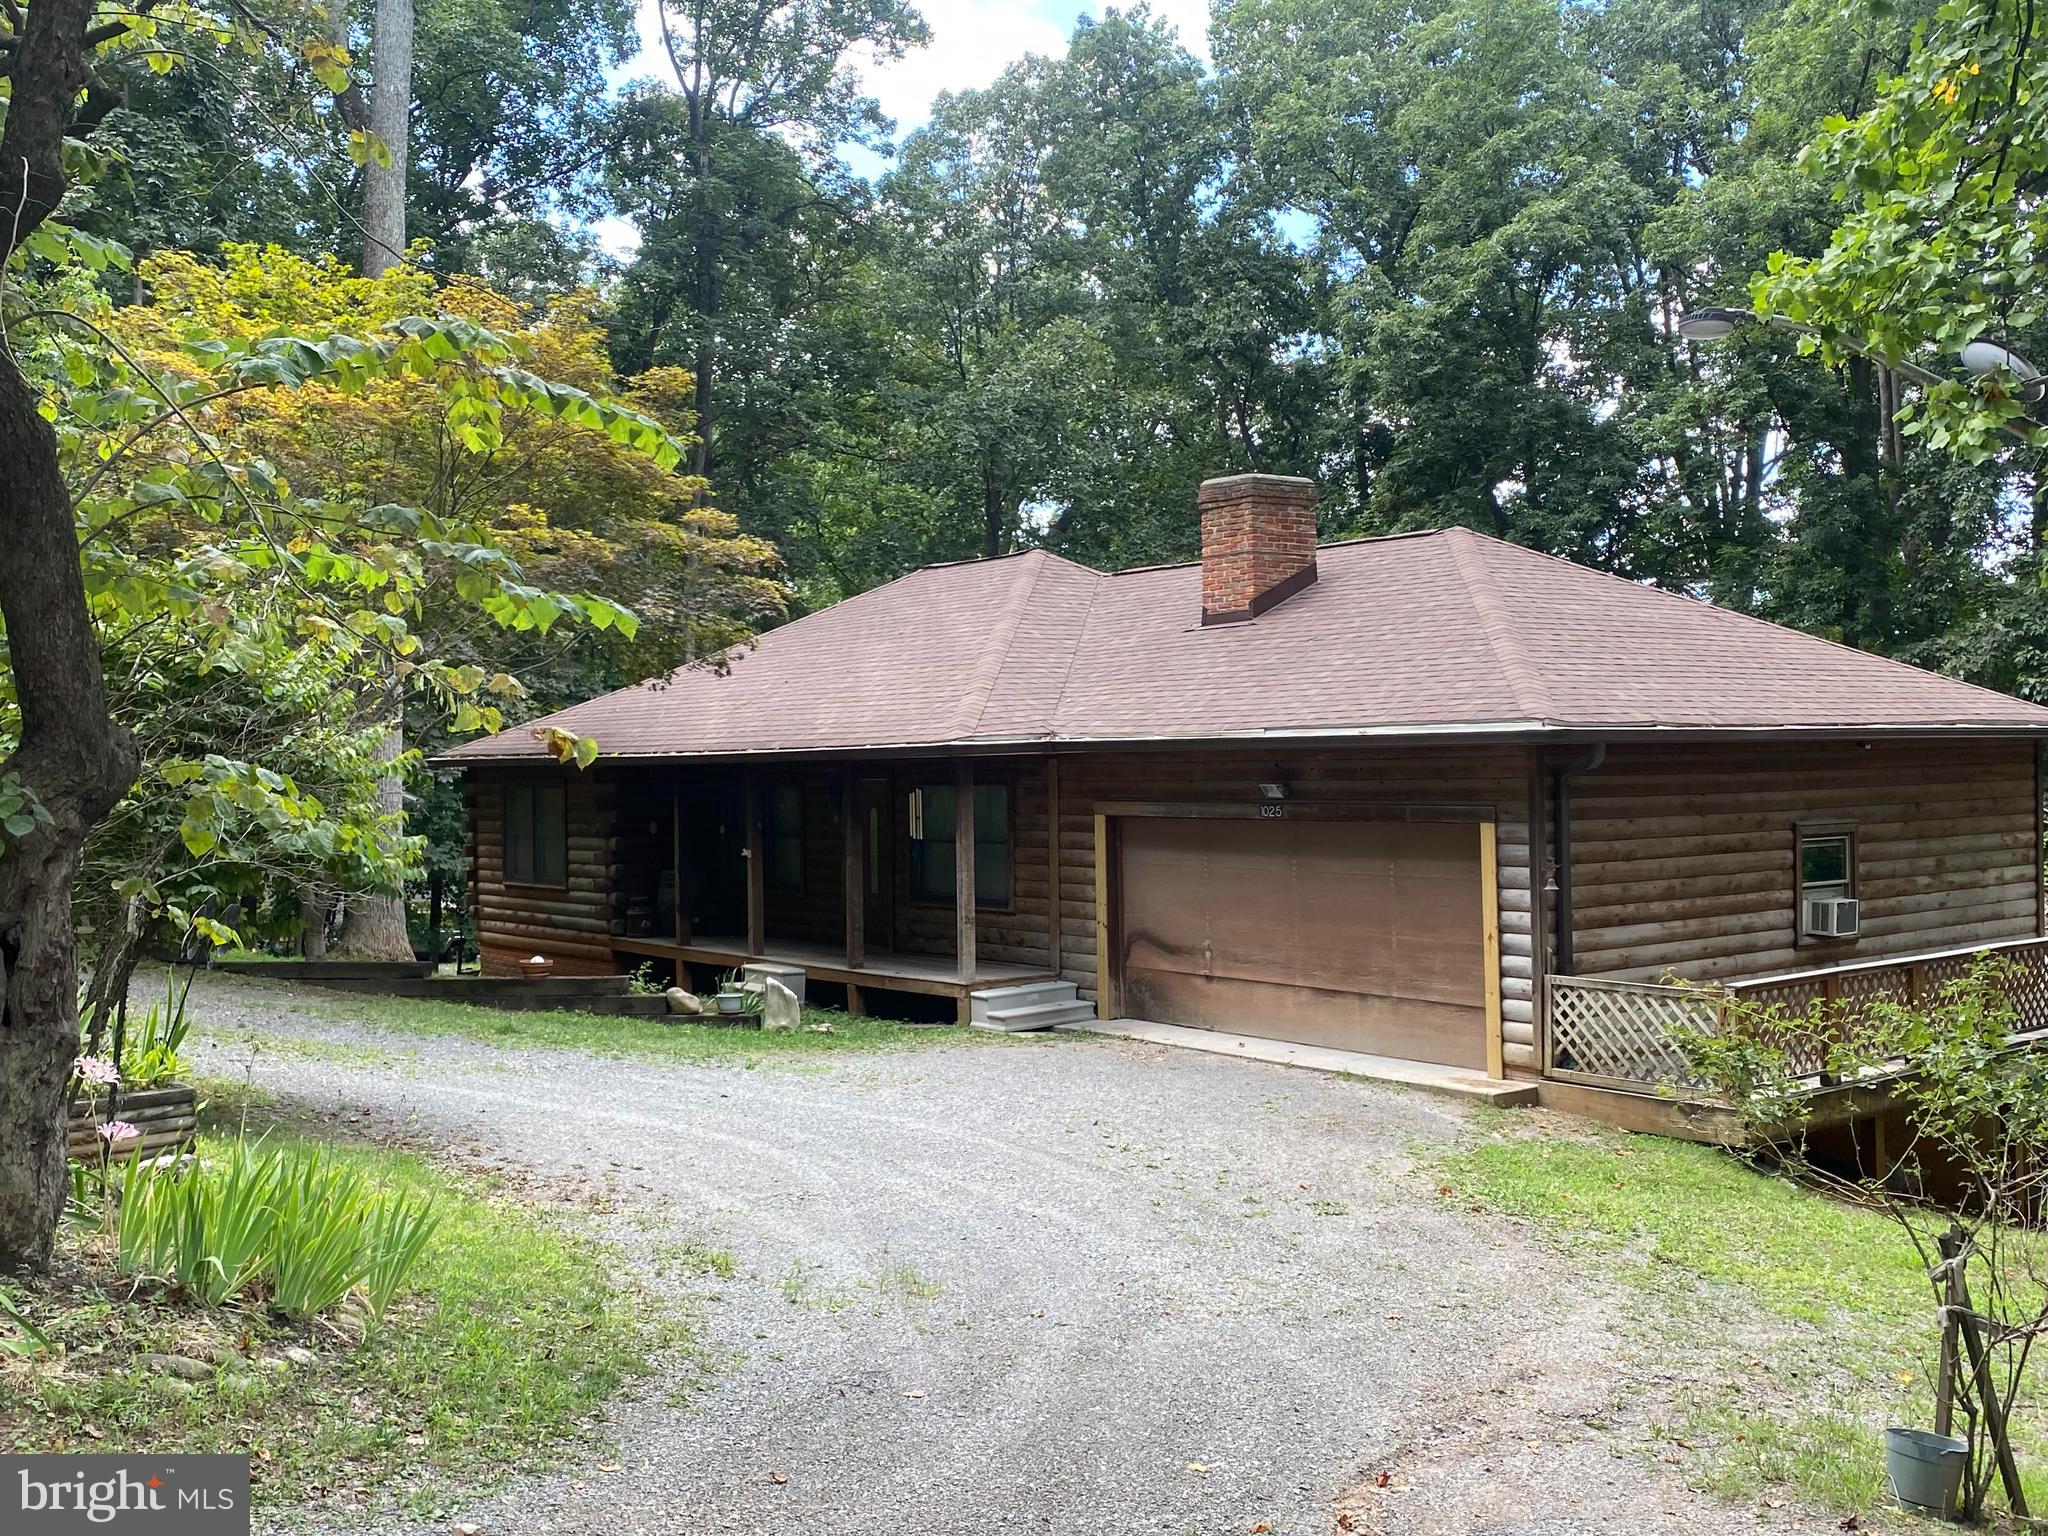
(1511,731)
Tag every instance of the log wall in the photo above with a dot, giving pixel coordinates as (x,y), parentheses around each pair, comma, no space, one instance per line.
(571,924)
(1682,857)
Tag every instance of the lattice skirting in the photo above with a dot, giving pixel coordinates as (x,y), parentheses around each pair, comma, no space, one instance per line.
(1623,1032)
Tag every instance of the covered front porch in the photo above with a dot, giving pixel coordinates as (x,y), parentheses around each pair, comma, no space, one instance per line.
(928,877)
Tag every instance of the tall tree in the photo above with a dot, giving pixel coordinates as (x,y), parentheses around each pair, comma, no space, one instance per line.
(69,760)
(384,176)
(734,176)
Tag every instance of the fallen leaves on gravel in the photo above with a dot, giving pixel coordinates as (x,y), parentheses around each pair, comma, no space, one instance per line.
(914,1392)
(778,1477)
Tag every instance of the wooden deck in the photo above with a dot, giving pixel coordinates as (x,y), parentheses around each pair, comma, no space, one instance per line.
(934,975)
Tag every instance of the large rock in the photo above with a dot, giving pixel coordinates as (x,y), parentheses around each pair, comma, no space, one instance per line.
(779,1007)
(681,1000)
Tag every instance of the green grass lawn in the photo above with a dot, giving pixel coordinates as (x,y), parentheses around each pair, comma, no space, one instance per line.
(1802,1326)
(659,1038)
(518,1328)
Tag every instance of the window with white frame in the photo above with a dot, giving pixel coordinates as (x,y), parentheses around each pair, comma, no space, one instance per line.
(1826,876)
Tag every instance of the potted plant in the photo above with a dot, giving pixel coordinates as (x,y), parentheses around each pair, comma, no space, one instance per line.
(732,997)
(537,968)
(127,1093)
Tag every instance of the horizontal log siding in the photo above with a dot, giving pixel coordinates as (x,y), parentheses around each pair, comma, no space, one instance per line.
(1485,776)
(1022,935)
(571,925)
(1682,858)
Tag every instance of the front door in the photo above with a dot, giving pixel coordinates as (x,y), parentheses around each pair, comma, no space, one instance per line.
(877,910)
(714,859)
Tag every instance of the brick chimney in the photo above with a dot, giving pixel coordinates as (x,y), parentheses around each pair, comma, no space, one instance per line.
(1258,543)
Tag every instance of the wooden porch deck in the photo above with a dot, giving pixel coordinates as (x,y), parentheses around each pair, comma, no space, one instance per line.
(934,975)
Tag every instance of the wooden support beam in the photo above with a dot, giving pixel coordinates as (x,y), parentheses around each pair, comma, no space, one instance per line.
(1489,938)
(854,872)
(1105,979)
(757,869)
(1053,860)
(682,924)
(963,869)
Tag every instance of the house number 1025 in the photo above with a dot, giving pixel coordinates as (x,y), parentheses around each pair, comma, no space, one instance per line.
(1272,812)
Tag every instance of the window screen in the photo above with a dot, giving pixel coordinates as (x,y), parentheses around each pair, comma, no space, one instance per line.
(786,837)
(931,857)
(1824,866)
(536,835)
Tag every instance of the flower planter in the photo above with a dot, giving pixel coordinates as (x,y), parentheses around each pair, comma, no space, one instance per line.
(730,1003)
(166,1115)
(539,968)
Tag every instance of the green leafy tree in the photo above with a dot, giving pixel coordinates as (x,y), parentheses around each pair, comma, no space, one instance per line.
(212,553)
(733,176)
(1943,241)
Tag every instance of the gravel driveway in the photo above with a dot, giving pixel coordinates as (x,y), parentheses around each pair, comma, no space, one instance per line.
(1070,1285)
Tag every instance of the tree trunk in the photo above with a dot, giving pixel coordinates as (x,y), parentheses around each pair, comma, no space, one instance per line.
(112,969)
(373,927)
(390,109)
(312,924)
(76,762)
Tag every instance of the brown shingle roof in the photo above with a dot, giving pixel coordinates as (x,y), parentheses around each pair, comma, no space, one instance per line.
(1440,632)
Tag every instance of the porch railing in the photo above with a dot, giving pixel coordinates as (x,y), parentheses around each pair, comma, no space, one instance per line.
(1624,1034)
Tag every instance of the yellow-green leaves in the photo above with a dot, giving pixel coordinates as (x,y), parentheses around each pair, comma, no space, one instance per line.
(566,746)
(329,63)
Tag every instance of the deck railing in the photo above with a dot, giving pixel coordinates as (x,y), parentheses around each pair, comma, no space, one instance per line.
(1625,1034)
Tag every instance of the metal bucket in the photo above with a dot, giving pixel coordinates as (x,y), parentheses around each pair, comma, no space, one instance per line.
(1925,1470)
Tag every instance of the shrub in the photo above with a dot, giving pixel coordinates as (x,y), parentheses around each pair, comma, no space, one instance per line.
(285,1222)
(1970,1099)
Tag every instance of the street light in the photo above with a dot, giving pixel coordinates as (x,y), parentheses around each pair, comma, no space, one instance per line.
(1714,322)
(1982,357)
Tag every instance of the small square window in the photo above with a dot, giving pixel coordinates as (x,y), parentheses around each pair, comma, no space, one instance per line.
(1824,866)
(1825,888)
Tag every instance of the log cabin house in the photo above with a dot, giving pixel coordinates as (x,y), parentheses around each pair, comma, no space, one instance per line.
(1432,797)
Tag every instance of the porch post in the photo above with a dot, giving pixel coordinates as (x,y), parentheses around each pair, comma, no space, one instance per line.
(854,875)
(682,922)
(757,872)
(1054,959)
(963,867)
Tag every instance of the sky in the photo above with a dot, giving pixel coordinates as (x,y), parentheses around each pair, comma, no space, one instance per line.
(973,41)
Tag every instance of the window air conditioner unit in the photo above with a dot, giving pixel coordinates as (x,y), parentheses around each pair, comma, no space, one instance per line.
(1831,917)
